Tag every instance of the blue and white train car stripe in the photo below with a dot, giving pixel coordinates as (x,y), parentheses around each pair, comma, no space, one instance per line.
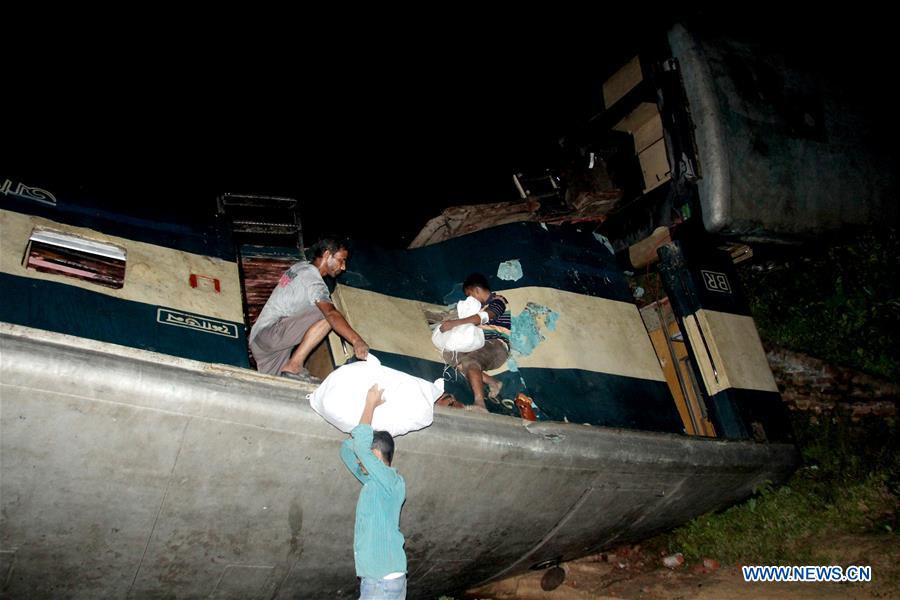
(157,308)
(580,349)
(740,391)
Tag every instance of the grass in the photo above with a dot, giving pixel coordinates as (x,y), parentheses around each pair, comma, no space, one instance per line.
(849,484)
(839,302)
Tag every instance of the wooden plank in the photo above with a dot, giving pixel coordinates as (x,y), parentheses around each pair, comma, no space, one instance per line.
(319,362)
(648,133)
(670,362)
(622,81)
(681,353)
(643,253)
(655,165)
(636,118)
(668,365)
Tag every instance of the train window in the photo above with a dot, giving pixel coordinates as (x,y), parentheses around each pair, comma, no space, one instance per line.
(70,255)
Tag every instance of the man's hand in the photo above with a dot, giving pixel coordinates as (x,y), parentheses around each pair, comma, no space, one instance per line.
(361,350)
(373,398)
(448,325)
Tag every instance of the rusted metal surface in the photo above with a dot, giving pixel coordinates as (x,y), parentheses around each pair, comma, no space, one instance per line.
(457,221)
(260,275)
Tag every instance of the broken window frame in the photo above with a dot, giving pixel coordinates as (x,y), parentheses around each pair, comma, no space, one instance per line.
(70,255)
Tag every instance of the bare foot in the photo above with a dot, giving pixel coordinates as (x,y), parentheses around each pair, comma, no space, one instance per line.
(302,376)
(494,388)
(303,372)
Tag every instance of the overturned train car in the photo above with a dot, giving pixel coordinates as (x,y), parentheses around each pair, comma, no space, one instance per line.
(141,455)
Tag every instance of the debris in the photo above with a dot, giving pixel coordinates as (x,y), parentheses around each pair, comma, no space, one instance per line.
(711,564)
(448,399)
(526,407)
(738,252)
(553,578)
(605,241)
(673,561)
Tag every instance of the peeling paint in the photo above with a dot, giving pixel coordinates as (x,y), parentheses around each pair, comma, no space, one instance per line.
(551,320)
(510,270)
(605,241)
(525,333)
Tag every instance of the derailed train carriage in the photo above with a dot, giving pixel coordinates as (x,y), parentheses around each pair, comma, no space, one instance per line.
(141,455)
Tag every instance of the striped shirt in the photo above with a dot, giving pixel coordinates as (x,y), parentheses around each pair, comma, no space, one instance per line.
(498,327)
(377,541)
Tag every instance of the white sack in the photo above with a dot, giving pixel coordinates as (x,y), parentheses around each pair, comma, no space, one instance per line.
(464,338)
(408,406)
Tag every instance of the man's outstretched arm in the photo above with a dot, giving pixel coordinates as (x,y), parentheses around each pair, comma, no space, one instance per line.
(362,442)
(340,325)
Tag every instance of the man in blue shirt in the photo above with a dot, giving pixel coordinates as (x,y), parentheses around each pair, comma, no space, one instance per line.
(377,541)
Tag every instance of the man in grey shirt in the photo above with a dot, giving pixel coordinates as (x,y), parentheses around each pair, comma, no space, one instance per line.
(299,314)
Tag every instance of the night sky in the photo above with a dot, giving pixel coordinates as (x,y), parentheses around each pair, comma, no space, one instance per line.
(374,131)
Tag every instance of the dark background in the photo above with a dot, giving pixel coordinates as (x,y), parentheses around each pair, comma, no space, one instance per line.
(375,125)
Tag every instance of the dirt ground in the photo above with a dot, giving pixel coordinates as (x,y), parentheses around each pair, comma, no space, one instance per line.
(630,573)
